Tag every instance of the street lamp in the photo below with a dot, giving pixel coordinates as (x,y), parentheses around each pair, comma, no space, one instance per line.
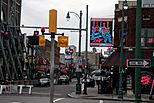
(137,50)
(120,91)
(78,85)
(80,27)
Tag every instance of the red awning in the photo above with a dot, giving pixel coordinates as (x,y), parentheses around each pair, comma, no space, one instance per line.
(114,59)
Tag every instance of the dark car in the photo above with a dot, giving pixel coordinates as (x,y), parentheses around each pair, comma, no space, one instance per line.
(44,81)
(63,79)
(99,75)
(90,82)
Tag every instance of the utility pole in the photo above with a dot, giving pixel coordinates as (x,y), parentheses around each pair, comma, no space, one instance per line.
(86,54)
(120,91)
(138,51)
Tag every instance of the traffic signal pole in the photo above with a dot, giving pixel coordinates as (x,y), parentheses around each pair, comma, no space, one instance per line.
(52,69)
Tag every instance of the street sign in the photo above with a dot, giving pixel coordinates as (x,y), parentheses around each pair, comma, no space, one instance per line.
(139,63)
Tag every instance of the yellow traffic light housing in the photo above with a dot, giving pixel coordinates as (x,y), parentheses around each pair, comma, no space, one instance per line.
(41,40)
(52,21)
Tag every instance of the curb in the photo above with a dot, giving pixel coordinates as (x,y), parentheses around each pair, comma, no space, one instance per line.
(104,98)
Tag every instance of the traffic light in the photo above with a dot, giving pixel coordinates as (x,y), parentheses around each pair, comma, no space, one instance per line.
(36,33)
(52,21)
(6,35)
(36,40)
(33,40)
(62,41)
(41,40)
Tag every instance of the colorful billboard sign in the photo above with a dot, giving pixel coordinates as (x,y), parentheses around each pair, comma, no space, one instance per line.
(70,53)
(101,32)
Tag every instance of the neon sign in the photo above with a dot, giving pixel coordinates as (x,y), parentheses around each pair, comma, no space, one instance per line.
(101,32)
(146,82)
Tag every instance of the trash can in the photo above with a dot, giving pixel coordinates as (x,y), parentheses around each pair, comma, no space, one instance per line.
(78,88)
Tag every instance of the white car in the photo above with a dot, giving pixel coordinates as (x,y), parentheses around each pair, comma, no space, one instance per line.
(44,82)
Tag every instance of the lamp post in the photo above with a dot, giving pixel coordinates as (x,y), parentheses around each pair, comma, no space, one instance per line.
(138,51)
(80,27)
(120,91)
(78,85)
(86,54)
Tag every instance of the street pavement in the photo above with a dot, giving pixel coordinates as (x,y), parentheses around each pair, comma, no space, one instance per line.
(92,93)
(65,91)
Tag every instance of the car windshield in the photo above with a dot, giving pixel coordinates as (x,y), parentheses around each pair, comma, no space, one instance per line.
(63,76)
(100,73)
(44,79)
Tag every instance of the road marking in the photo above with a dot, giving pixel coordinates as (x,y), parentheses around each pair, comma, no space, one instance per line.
(100,101)
(58,99)
(14,102)
(46,93)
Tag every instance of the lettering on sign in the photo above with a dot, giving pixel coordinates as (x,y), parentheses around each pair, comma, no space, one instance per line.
(138,62)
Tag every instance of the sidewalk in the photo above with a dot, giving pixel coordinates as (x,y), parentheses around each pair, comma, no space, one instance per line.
(92,93)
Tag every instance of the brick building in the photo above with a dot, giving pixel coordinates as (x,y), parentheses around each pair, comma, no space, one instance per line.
(43,55)
(129,35)
(12,47)
(129,39)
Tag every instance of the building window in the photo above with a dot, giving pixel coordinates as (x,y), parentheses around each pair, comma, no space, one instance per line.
(152,5)
(146,5)
(146,17)
(2,15)
(147,37)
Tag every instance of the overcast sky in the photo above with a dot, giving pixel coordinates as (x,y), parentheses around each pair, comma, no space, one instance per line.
(36,13)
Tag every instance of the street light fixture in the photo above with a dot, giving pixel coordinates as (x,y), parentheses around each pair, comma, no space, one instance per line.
(78,85)
(80,27)
(120,91)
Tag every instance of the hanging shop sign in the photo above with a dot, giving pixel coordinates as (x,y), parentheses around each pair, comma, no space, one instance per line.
(101,32)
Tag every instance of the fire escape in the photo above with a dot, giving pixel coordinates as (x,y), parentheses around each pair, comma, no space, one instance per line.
(12,46)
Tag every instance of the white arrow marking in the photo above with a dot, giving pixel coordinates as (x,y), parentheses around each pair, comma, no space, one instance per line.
(145,63)
(58,99)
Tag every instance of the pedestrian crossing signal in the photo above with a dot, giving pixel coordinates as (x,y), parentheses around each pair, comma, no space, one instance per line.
(62,41)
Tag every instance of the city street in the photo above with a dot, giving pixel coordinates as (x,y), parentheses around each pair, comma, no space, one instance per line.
(45,99)
(41,95)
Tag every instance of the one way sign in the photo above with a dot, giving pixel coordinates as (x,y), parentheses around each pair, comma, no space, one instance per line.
(139,63)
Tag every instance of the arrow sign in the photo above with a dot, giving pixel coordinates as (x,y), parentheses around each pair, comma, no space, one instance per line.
(139,63)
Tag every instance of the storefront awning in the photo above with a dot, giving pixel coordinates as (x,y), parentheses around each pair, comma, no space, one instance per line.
(114,59)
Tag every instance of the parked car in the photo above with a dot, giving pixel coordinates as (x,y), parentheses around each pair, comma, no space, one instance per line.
(44,81)
(63,79)
(90,82)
